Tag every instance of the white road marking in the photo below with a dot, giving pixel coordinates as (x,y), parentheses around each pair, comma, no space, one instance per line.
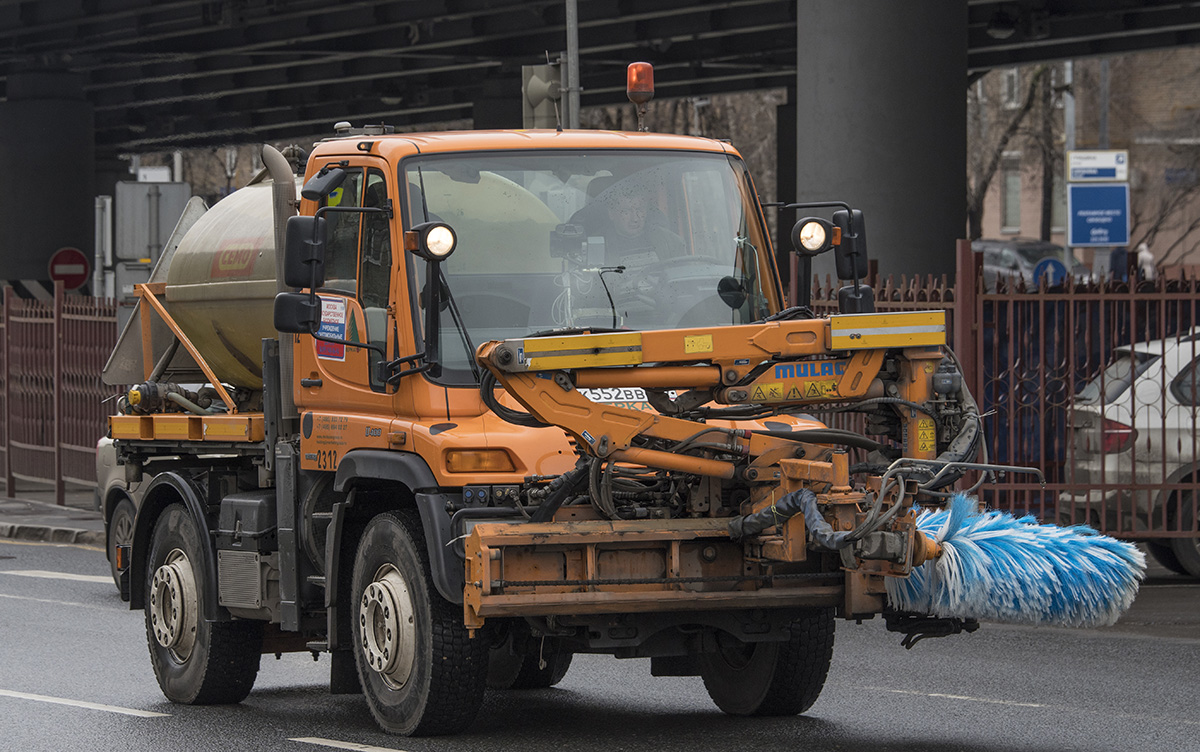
(82,704)
(335,744)
(960,697)
(84,546)
(61,603)
(57,575)
(1060,708)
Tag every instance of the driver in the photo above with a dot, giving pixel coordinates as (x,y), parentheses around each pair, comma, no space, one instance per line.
(634,228)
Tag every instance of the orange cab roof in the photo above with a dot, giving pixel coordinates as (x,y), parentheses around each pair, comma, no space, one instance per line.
(398,145)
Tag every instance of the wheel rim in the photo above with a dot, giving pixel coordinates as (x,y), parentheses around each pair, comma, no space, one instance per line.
(735,654)
(387,626)
(174,606)
(122,532)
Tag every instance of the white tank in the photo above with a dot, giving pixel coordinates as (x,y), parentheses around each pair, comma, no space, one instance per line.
(221,284)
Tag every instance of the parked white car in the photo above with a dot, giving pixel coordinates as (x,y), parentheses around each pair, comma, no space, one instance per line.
(1132,432)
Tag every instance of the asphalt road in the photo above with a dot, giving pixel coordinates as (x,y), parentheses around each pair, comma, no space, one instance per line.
(65,636)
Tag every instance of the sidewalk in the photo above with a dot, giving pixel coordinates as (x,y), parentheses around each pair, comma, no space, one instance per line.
(33,516)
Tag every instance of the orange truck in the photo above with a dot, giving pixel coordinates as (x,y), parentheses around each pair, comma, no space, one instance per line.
(506,397)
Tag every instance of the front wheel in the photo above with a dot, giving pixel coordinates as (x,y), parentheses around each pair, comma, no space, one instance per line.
(120,533)
(771,678)
(421,672)
(197,661)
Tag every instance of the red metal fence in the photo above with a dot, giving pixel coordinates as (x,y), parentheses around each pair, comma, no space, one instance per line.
(1093,383)
(54,405)
(1096,385)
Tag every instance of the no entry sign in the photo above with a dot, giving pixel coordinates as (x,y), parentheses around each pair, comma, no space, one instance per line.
(70,266)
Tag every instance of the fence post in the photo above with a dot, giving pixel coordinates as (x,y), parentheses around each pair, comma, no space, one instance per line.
(59,485)
(966,324)
(9,481)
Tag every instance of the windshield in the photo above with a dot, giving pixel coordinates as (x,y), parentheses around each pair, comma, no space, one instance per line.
(602,239)
(1116,378)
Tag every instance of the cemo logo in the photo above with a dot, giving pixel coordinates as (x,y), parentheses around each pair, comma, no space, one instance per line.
(810,369)
(235,260)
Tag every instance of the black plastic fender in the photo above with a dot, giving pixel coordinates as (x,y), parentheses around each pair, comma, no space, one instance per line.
(411,471)
(164,490)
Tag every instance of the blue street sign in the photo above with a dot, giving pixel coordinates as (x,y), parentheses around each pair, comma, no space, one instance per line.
(1052,269)
(1098,214)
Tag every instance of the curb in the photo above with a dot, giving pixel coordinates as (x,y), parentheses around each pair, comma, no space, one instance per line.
(46,534)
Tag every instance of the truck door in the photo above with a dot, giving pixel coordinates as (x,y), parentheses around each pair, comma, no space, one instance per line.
(342,385)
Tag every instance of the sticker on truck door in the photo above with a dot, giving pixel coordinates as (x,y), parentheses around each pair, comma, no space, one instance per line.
(333,324)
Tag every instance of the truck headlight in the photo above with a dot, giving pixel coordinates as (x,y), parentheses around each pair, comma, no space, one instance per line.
(432,241)
(813,235)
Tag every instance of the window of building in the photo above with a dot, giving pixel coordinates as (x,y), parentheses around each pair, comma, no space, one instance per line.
(1056,83)
(1011,88)
(1010,199)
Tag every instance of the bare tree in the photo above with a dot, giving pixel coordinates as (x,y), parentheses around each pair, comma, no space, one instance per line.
(986,145)
(1165,205)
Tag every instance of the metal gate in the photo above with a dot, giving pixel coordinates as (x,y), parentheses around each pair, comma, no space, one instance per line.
(54,404)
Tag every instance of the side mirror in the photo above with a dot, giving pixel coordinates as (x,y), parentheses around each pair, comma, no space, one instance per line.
(850,256)
(856,299)
(296,313)
(732,292)
(304,252)
(323,183)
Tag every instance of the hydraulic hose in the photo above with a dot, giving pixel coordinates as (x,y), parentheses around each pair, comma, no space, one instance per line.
(826,436)
(803,502)
(487,386)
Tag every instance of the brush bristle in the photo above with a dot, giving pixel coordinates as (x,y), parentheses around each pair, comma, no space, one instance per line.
(1000,568)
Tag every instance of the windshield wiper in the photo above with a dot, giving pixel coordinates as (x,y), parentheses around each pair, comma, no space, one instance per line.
(602,270)
(462,328)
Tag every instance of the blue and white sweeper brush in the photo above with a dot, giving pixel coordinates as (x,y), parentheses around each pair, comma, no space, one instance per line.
(1000,568)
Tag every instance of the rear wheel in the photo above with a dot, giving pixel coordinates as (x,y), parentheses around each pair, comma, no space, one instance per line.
(772,678)
(421,672)
(120,533)
(1164,554)
(196,661)
(1187,550)
(512,668)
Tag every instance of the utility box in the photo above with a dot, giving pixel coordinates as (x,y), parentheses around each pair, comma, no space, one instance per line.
(146,215)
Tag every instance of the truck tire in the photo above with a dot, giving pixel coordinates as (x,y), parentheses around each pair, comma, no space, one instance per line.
(120,533)
(772,678)
(1164,554)
(197,661)
(421,672)
(1187,550)
(508,671)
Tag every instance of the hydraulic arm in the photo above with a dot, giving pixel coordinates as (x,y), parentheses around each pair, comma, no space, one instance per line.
(785,505)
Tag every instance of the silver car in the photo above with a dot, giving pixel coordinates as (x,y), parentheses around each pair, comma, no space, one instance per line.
(1132,439)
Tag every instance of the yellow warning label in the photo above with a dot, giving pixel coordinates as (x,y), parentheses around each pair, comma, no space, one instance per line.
(700,343)
(926,435)
(772,392)
(820,389)
(792,392)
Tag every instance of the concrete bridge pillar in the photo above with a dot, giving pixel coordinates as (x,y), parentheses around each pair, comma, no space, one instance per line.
(881,123)
(47,157)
